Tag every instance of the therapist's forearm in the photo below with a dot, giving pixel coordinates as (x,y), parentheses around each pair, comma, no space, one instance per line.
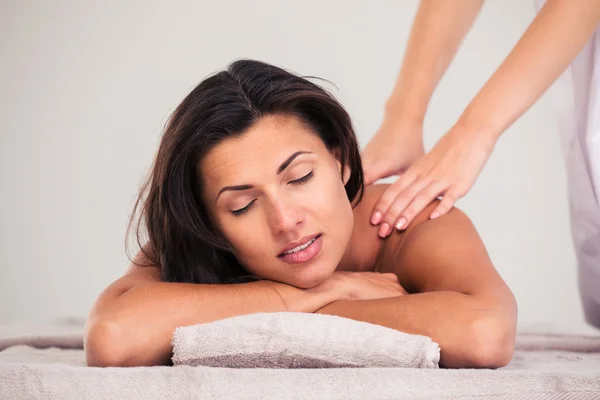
(470,332)
(552,41)
(438,29)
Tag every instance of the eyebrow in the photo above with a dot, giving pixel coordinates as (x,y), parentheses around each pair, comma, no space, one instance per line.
(281,168)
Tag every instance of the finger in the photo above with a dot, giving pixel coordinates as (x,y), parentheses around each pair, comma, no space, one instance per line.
(402,290)
(445,205)
(373,171)
(422,200)
(367,175)
(391,276)
(399,205)
(390,195)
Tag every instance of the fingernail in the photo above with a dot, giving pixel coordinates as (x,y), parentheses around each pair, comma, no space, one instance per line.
(384,230)
(435,214)
(400,223)
(376,218)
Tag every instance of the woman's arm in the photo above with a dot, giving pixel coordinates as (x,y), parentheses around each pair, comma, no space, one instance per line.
(550,43)
(133,320)
(438,29)
(554,38)
(459,299)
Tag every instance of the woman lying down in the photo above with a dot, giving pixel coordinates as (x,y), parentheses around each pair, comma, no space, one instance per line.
(255,203)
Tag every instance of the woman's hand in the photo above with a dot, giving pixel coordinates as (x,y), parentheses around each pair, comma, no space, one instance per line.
(449,169)
(363,285)
(395,147)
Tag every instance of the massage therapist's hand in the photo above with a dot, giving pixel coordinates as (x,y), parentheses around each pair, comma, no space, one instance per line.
(365,285)
(449,169)
(395,146)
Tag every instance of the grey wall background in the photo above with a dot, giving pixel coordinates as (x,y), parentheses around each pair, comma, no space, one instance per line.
(86,87)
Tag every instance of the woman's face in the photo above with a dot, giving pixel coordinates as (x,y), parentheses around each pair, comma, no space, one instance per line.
(277,195)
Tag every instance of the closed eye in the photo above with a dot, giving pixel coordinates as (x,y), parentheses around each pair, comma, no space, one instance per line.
(304,179)
(244,210)
(298,181)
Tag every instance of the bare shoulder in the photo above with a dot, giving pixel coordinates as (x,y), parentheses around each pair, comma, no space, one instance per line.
(362,212)
(430,232)
(389,246)
(141,266)
(365,244)
(445,253)
(139,271)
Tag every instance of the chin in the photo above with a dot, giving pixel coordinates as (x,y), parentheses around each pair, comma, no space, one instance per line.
(308,284)
(313,277)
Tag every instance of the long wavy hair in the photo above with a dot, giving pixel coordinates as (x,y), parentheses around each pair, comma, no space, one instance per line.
(181,239)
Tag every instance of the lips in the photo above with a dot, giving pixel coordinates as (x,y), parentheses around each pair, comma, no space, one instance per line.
(305,253)
(297,243)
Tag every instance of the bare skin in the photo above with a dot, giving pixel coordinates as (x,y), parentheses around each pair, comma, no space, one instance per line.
(451,167)
(454,290)
(454,295)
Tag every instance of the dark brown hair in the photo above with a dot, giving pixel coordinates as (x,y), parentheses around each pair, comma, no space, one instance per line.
(181,238)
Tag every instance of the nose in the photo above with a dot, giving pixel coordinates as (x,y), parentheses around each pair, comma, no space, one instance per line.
(285,215)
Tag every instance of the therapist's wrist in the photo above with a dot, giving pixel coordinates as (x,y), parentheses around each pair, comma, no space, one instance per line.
(484,129)
(479,134)
(397,112)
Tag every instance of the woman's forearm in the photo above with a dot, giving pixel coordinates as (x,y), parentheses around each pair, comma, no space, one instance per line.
(135,327)
(470,332)
(438,29)
(551,42)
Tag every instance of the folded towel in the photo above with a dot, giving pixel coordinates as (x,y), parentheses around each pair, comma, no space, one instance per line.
(300,340)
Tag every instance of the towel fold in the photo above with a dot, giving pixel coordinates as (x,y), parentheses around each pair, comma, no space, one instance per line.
(300,340)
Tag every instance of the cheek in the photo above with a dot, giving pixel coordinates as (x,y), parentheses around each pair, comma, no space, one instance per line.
(248,248)
(331,204)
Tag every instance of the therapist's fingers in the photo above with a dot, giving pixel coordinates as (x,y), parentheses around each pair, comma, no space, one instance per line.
(447,203)
(418,204)
(391,276)
(398,206)
(390,195)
